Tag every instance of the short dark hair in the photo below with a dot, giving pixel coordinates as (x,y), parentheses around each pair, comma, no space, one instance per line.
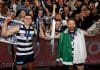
(71,18)
(28,15)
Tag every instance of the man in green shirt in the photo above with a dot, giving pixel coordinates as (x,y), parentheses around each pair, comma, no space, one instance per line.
(71,47)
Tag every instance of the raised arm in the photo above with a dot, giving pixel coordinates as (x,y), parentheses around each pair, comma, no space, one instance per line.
(53,22)
(55,34)
(87,33)
(8,31)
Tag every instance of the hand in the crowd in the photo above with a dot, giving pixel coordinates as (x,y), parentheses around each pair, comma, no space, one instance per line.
(7,20)
(47,37)
(81,14)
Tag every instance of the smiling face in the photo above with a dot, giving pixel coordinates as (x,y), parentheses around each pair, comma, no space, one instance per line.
(22,13)
(77,17)
(27,20)
(40,13)
(71,25)
(31,13)
(66,10)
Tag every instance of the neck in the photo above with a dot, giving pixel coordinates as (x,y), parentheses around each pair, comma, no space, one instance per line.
(26,26)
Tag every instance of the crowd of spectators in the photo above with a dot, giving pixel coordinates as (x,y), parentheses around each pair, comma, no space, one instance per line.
(85,12)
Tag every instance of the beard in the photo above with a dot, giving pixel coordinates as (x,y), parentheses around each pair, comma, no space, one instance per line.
(71,29)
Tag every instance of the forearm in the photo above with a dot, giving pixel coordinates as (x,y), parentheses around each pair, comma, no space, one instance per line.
(9,31)
(87,33)
(41,34)
(4,29)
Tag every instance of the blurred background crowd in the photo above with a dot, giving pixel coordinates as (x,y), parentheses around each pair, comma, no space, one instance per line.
(85,12)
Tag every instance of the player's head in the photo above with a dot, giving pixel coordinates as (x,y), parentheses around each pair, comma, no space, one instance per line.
(71,24)
(27,19)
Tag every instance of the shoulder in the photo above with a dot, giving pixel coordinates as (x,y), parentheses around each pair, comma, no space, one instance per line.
(79,30)
(65,31)
(82,32)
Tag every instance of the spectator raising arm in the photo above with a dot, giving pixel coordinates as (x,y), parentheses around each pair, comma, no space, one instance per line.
(8,31)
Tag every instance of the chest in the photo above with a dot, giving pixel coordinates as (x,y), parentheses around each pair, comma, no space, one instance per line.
(23,32)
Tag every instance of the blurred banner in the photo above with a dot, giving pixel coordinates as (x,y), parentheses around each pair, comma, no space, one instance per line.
(43,53)
(93,50)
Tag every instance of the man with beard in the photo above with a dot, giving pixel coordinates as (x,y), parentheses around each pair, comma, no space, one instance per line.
(71,47)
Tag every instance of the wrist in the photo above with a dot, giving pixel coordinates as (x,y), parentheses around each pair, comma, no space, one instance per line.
(5,22)
(4,25)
